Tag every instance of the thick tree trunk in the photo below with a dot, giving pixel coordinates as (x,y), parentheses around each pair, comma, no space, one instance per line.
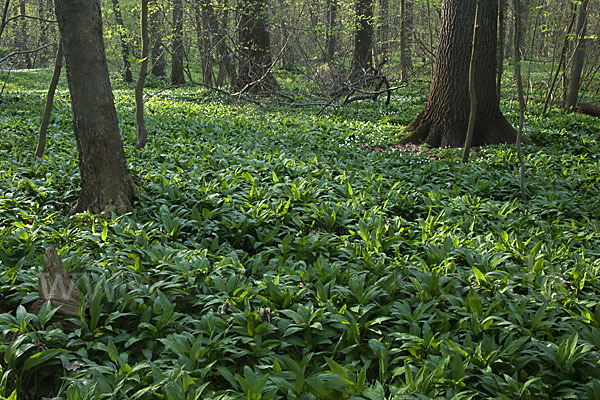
(255,45)
(578,57)
(177,77)
(363,37)
(330,34)
(159,63)
(444,120)
(124,42)
(105,182)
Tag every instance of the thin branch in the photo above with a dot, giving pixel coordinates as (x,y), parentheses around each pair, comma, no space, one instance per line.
(16,53)
(30,17)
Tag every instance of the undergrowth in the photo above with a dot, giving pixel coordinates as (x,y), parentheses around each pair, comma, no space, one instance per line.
(269,256)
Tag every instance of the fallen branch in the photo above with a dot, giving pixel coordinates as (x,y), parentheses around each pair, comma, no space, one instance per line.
(592,109)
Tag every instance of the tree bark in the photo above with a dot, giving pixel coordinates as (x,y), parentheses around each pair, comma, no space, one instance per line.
(177,76)
(105,181)
(159,64)
(578,57)
(472,89)
(363,37)
(255,44)
(444,120)
(124,42)
(141,134)
(41,146)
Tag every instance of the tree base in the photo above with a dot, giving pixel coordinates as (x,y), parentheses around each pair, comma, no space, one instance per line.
(441,132)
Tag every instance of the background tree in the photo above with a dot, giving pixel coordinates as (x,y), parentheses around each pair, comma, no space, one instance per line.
(578,56)
(105,181)
(362,58)
(124,41)
(158,59)
(254,71)
(177,77)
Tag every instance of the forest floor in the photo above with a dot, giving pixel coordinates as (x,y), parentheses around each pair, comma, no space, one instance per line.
(272,253)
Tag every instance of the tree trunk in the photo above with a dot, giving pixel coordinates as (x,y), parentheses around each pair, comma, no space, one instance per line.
(177,77)
(383,31)
(578,57)
(255,46)
(105,181)
(141,134)
(41,146)
(226,62)
(444,120)
(405,29)
(159,63)
(24,36)
(124,42)
(205,29)
(330,34)
(363,37)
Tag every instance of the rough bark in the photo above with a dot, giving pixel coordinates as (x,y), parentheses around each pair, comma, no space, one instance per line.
(472,89)
(255,46)
(141,133)
(363,37)
(41,146)
(124,42)
(444,120)
(159,63)
(105,181)
(578,57)
(177,76)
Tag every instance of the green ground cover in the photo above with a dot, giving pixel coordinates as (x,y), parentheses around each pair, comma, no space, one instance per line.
(271,254)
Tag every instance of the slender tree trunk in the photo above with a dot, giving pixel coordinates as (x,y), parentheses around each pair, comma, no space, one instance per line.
(578,57)
(383,31)
(124,42)
(141,134)
(177,76)
(105,181)
(330,32)
(362,58)
(522,104)
(205,29)
(444,120)
(41,146)
(254,69)
(472,89)
(4,17)
(24,36)
(159,63)
(405,34)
